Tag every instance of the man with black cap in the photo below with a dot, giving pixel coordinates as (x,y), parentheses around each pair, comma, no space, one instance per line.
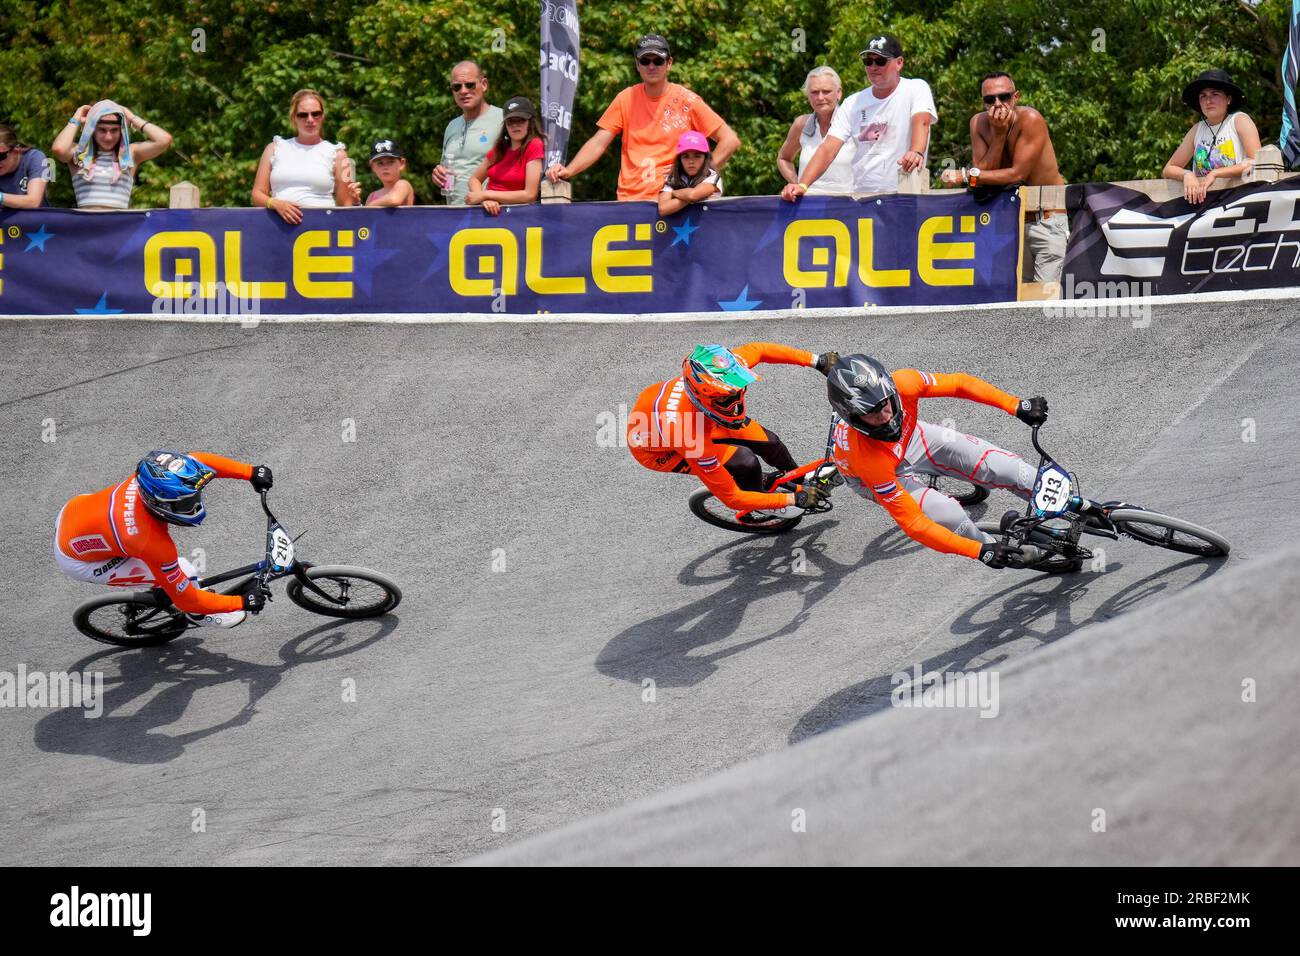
(1222,145)
(890,120)
(650,116)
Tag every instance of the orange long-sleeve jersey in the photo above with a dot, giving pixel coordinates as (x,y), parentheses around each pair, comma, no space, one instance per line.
(665,432)
(115,523)
(875,463)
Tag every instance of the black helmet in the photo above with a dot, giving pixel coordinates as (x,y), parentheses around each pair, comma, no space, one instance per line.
(858,385)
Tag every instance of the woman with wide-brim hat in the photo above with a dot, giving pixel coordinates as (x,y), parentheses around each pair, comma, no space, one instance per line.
(1222,144)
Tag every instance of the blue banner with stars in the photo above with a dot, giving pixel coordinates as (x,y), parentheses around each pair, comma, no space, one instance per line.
(728,255)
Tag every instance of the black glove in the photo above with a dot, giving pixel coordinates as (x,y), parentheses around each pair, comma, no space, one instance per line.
(1032,411)
(808,497)
(254,596)
(997,554)
(261,480)
(824,362)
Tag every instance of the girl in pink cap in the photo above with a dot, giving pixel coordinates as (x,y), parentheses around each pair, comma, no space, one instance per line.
(693,178)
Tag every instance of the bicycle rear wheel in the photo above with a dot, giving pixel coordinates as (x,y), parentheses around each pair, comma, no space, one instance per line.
(130,620)
(359,591)
(1173,534)
(960,490)
(708,508)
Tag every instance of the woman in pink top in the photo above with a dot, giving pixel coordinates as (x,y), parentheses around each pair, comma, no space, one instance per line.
(511,173)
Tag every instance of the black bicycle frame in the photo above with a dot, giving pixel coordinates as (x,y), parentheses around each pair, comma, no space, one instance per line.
(262,569)
(1078,505)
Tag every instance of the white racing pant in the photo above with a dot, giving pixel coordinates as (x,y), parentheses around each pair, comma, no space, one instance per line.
(935,450)
(133,573)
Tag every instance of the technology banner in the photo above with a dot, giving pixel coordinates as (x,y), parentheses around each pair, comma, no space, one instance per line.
(738,254)
(1123,243)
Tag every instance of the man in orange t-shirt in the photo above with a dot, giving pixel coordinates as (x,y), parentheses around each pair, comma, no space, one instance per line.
(650,117)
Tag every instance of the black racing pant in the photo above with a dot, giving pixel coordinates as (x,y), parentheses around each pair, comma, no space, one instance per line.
(744,464)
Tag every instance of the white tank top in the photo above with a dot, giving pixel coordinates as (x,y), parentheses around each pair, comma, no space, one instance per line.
(1217,146)
(303,174)
(838,177)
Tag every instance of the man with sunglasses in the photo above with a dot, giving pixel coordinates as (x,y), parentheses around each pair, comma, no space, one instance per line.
(1010,146)
(470,135)
(889,121)
(650,116)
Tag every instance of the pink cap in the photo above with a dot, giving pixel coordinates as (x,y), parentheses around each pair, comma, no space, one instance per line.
(691,140)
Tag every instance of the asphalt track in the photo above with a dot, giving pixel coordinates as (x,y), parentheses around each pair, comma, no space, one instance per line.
(547,578)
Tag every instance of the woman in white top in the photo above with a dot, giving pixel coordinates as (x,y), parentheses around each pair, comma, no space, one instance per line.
(103,161)
(307,171)
(824,90)
(1222,145)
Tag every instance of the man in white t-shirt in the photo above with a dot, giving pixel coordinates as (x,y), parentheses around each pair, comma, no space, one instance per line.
(889,120)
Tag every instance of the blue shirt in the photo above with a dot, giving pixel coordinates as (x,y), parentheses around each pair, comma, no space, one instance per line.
(31,165)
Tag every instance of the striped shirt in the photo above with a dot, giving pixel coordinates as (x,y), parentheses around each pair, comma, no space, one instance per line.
(100,191)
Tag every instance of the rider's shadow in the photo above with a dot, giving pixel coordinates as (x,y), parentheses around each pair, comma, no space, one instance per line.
(673,648)
(168,677)
(1023,610)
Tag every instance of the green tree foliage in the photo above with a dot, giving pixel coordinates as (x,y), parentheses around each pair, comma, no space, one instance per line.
(218,74)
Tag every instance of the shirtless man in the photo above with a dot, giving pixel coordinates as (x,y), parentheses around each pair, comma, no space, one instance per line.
(1010,145)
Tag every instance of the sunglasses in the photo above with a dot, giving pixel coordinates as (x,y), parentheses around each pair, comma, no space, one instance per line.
(876,60)
(456,87)
(651,60)
(6,154)
(314,114)
(991,98)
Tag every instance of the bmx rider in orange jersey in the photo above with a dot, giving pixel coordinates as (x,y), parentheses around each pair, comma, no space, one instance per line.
(882,448)
(696,424)
(118,536)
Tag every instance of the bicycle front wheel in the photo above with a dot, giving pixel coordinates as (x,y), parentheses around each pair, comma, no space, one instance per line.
(1173,534)
(129,620)
(356,592)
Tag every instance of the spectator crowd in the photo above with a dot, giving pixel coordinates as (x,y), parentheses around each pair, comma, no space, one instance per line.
(673,147)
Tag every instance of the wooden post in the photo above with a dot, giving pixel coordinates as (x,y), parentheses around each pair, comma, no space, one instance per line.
(556,192)
(184,195)
(917,181)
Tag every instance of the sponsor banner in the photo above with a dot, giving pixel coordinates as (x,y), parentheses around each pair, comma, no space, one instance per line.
(559,64)
(1122,242)
(730,255)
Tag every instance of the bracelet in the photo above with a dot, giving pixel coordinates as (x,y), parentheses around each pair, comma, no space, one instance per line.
(74,122)
(269,201)
(2,199)
(802,186)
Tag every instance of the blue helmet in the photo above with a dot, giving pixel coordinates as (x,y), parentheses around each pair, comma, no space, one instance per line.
(170,485)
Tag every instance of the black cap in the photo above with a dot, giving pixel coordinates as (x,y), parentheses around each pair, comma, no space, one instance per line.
(385,147)
(653,43)
(519,106)
(883,44)
(1213,80)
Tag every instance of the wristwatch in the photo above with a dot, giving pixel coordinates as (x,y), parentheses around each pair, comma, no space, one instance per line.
(973,176)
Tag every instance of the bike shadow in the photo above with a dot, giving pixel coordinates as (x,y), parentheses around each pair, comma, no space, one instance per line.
(164,681)
(1025,610)
(673,647)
